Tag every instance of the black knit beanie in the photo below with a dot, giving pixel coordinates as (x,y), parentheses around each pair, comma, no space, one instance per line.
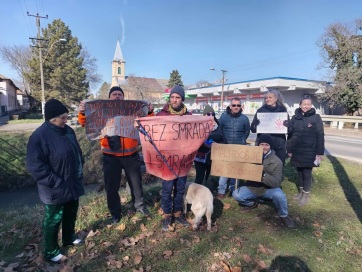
(179,90)
(266,138)
(54,108)
(115,88)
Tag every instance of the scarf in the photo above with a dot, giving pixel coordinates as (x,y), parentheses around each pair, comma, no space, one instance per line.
(181,111)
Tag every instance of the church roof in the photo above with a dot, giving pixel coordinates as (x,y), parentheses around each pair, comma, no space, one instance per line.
(118,53)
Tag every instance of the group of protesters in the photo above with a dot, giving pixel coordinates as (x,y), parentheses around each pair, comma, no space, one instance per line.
(55,160)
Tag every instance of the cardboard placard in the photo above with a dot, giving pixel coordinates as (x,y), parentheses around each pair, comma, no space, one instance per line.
(237,153)
(177,138)
(237,161)
(113,117)
(272,122)
(239,170)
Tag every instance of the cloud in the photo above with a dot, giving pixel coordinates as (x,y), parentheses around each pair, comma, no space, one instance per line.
(123,36)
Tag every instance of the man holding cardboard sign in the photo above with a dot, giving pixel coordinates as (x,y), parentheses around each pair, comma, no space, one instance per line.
(119,152)
(269,187)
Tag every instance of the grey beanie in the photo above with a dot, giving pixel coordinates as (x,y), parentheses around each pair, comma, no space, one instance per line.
(179,90)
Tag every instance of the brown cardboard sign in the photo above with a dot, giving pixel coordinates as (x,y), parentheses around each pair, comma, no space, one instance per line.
(239,170)
(237,161)
(237,153)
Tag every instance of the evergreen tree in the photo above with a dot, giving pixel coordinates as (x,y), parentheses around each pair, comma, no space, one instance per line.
(175,79)
(104,91)
(64,67)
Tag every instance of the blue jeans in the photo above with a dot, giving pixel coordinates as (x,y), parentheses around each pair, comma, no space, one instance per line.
(176,187)
(246,197)
(223,184)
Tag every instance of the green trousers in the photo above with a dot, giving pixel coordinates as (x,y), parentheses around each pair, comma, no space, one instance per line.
(65,214)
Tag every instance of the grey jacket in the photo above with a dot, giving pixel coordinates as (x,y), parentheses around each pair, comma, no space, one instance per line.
(273,170)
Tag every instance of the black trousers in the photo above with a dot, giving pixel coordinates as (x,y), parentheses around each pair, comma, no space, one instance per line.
(202,172)
(112,169)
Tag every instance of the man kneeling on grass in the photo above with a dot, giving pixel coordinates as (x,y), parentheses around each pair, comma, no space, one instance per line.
(269,187)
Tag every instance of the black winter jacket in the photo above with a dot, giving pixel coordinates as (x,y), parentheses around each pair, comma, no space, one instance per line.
(54,159)
(305,138)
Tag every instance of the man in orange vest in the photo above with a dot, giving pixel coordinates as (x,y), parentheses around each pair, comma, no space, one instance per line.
(120,153)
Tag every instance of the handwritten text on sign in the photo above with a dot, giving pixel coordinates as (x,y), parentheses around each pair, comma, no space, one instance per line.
(113,117)
(237,161)
(237,153)
(272,122)
(177,138)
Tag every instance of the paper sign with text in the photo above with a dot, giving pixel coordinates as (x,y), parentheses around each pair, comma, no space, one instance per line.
(272,122)
(237,161)
(177,138)
(113,117)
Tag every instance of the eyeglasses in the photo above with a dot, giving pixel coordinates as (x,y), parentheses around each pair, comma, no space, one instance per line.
(236,105)
(210,114)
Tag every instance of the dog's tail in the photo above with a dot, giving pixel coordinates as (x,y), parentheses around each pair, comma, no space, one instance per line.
(209,209)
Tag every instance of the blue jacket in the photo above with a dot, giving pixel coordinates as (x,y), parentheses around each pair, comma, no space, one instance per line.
(236,127)
(54,159)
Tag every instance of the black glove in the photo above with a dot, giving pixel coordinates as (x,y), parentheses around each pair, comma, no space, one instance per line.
(286,123)
(257,122)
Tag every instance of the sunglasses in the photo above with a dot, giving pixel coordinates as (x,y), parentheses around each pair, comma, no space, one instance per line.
(210,114)
(236,105)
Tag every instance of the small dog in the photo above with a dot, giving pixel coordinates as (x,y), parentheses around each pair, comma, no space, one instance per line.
(201,200)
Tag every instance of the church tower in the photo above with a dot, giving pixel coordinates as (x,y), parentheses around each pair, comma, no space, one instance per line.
(118,66)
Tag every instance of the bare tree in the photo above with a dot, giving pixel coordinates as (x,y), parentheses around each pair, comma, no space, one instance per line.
(342,53)
(17,57)
(90,64)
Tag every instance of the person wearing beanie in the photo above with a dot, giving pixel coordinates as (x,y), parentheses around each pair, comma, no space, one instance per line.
(53,108)
(236,128)
(172,198)
(202,159)
(55,161)
(175,105)
(120,153)
(269,188)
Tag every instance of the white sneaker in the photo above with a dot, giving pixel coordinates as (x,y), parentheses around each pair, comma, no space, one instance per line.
(57,258)
(78,242)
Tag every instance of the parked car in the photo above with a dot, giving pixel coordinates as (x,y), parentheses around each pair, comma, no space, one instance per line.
(196,112)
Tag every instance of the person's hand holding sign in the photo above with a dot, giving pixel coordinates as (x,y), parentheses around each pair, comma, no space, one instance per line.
(279,124)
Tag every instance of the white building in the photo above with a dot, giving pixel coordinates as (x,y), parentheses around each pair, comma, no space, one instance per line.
(8,99)
(251,93)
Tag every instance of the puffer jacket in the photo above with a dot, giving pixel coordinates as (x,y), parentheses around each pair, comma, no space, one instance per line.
(236,127)
(305,138)
(54,159)
(273,169)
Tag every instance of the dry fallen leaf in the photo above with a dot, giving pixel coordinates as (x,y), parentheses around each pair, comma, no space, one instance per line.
(225,266)
(137,259)
(143,227)
(247,258)
(167,253)
(121,227)
(261,264)
(226,206)
(236,269)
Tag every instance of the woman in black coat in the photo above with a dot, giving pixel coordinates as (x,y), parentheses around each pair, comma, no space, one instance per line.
(202,159)
(305,146)
(273,103)
(54,159)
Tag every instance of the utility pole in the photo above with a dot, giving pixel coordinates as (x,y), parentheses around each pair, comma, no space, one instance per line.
(222,86)
(38,39)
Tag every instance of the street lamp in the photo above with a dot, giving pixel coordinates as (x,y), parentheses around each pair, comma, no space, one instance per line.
(41,60)
(222,86)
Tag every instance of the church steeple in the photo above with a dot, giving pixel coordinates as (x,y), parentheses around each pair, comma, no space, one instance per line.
(118,66)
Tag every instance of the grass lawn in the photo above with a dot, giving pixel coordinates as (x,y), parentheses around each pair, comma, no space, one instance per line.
(328,235)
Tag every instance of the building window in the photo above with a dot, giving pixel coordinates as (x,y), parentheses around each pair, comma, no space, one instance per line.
(119,70)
